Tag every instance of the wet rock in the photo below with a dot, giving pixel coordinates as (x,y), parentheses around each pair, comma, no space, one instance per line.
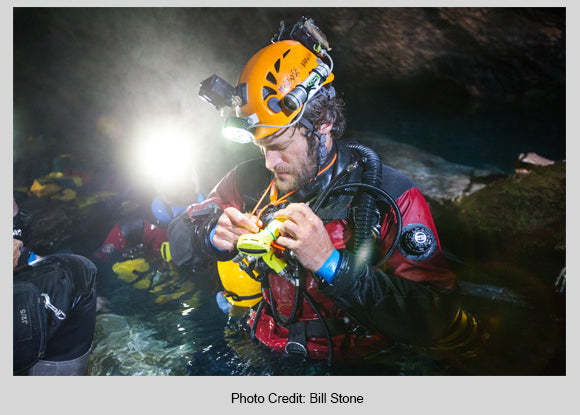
(52,222)
(480,52)
(437,178)
(59,224)
(508,228)
(103,305)
(514,227)
(528,161)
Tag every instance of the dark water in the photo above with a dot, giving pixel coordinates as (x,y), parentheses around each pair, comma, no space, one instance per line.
(481,134)
(198,339)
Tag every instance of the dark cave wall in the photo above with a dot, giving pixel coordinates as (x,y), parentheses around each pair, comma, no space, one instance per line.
(483,52)
(104,53)
(86,76)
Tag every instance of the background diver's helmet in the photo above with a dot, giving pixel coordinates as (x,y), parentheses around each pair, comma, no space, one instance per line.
(241,289)
(163,213)
(270,75)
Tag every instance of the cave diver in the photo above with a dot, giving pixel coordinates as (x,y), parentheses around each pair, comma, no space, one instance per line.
(340,252)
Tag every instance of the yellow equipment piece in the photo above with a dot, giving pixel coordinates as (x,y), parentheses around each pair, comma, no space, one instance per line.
(164,284)
(94,198)
(260,245)
(41,190)
(165,253)
(52,183)
(175,292)
(125,269)
(60,175)
(241,289)
(465,337)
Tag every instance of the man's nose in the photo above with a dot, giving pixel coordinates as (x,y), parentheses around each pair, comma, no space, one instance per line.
(273,159)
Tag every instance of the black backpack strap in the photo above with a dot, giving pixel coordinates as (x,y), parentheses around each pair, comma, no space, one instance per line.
(30,321)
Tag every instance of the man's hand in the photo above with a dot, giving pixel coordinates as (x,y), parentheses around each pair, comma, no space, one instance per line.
(16,245)
(304,233)
(230,226)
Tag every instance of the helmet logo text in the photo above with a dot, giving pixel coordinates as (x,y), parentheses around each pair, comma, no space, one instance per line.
(285,86)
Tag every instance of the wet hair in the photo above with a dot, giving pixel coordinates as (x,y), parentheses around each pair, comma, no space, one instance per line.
(326,107)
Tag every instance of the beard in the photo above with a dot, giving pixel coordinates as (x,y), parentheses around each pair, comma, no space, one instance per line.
(296,178)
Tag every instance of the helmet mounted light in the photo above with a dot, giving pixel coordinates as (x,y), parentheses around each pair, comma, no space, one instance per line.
(308,88)
(239,129)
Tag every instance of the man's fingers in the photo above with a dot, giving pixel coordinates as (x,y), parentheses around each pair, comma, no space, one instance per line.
(289,228)
(230,226)
(239,219)
(226,238)
(297,212)
(286,242)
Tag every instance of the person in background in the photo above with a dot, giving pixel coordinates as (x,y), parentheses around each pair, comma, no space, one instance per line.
(54,308)
(147,233)
(136,249)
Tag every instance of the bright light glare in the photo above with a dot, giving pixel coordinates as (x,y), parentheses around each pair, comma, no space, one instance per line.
(164,154)
(187,311)
(238,135)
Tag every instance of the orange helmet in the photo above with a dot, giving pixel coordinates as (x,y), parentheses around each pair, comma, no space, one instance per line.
(268,77)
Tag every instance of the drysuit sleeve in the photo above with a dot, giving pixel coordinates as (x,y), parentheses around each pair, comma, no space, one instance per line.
(413,299)
(189,233)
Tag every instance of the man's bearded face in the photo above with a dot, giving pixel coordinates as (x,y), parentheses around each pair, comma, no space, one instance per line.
(290,157)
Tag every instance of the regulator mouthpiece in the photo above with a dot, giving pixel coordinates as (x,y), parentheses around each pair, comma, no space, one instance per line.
(306,90)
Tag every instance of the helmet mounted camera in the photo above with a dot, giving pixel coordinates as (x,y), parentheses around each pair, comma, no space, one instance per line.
(219,93)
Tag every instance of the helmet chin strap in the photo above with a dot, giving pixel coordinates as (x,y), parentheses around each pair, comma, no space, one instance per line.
(322,150)
(330,93)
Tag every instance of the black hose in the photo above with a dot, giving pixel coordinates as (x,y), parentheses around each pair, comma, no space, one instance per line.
(371,180)
(365,203)
(256,318)
(273,306)
(321,318)
(297,299)
(322,196)
(393,204)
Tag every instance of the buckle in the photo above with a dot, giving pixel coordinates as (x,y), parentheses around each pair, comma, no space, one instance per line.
(295,348)
(297,339)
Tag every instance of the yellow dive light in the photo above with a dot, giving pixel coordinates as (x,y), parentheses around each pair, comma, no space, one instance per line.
(260,245)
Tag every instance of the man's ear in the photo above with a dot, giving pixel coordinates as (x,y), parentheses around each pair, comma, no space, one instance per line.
(325,128)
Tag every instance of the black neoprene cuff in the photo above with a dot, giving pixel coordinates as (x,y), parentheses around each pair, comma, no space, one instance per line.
(214,252)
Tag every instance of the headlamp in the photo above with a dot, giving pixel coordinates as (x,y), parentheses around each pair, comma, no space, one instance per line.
(302,93)
(240,129)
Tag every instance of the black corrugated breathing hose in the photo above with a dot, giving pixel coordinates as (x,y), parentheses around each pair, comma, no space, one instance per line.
(366,206)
